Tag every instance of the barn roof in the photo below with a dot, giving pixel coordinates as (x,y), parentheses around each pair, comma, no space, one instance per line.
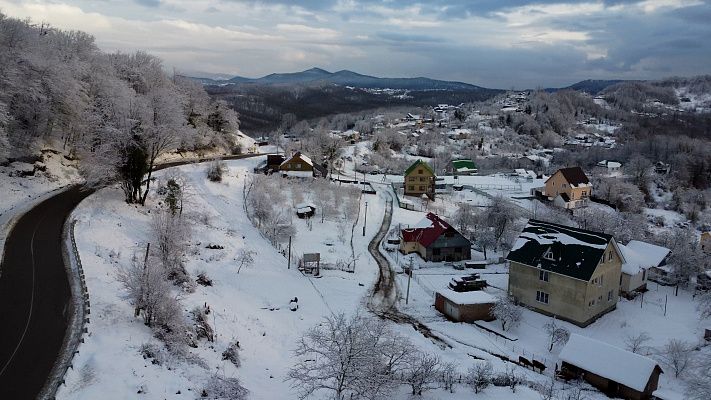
(618,365)
(561,249)
(418,163)
(427,230)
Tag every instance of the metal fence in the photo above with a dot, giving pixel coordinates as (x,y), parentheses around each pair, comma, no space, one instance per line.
(80,318)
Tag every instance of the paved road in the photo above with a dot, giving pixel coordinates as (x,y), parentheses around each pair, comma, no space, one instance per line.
(34,297)
(35,293)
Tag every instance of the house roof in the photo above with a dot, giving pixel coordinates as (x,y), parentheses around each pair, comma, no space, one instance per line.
(641,255)
(302,157)
(463,164)
(560,249)
(418,163)
(622,366)
(574,176)
(427,230)
(463,298)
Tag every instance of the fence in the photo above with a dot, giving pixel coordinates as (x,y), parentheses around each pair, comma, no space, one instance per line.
(77,327)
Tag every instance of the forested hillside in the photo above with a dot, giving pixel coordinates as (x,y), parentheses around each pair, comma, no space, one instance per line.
(115,112)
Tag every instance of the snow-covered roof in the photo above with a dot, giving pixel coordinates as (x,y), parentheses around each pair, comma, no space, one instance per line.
(473,297)
(622,366)
(641,255)
(305,205)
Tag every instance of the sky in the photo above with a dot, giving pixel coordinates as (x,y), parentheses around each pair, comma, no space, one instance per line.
(492,43)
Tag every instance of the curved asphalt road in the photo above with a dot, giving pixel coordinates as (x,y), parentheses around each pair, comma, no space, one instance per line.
(35,294)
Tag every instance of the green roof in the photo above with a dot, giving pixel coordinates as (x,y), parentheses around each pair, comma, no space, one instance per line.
(459,164)
(418,163)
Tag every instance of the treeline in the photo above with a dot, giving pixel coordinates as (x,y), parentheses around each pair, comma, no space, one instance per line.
(117,113)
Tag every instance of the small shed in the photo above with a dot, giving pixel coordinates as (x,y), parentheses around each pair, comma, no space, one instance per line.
(465,306)
(311,263)
(305,210)
(616,372)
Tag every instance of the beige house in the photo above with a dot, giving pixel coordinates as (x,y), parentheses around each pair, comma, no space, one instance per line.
(640,257)
(419,180)
(301,166)
(568,188)
(705,242)
(567,272)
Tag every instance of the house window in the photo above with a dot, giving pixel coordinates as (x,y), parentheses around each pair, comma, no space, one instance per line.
(599,281)
(422,188)
(422,179)
(599,299)
(548,255)
(585,193)
(410,187)
(435,252)
(543,275)
(541,297)
(419,171)
(644,275)
(298,165)
(591,303)
(411,179)
(609,295)
(609,256)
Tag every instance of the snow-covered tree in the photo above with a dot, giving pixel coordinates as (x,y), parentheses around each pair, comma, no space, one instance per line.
(508,314)
(479,376)
(421,373)
(637,343)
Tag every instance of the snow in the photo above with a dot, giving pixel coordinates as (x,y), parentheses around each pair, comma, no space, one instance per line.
(473,297)
(298,174)
(641,255)
(627,368)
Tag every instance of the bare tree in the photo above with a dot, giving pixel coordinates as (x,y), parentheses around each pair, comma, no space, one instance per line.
(557,335)
(676,354)
(245,257)
(698,384)
(170,237)
(480,375)
(507,313)
(637,343)
(421,374)
(342,356)
(449,373)
(704,304)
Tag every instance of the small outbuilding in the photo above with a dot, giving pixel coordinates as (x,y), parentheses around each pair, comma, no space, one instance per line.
(616,372)
(465,306)
(640,257)
(305,210)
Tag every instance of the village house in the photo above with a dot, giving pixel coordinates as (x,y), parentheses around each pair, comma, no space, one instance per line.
(419,180)
(465,306)
(639,258)
(616,372)
(566,272)
(301,166)
(610,168)
(435,240)
(568,188)
(705,242)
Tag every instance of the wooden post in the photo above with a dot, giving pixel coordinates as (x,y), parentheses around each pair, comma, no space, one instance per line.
(409,277)
(365,219)
(288,264)
(666,299)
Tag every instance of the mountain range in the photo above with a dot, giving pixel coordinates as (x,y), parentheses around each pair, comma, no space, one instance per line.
(354,79)
(345,78)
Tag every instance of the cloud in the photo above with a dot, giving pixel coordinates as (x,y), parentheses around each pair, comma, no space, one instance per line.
(496,43)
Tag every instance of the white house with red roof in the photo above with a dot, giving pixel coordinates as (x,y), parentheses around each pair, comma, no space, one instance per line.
(435,240)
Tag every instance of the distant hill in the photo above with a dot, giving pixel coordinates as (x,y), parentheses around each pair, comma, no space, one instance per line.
(346,78)
(592,86)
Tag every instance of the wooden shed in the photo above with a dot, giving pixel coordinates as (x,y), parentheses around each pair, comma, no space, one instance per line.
(465,306)
(616,372)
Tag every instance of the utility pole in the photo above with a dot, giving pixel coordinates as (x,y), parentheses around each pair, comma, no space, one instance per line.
(288,265)
(365,219)
(409,277)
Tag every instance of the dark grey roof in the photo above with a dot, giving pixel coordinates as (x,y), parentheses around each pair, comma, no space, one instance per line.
(568,251)
(574,175)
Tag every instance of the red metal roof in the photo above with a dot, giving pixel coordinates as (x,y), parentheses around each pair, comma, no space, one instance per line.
(426,235)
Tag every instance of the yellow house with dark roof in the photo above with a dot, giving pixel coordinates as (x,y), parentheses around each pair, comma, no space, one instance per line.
(419,180)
